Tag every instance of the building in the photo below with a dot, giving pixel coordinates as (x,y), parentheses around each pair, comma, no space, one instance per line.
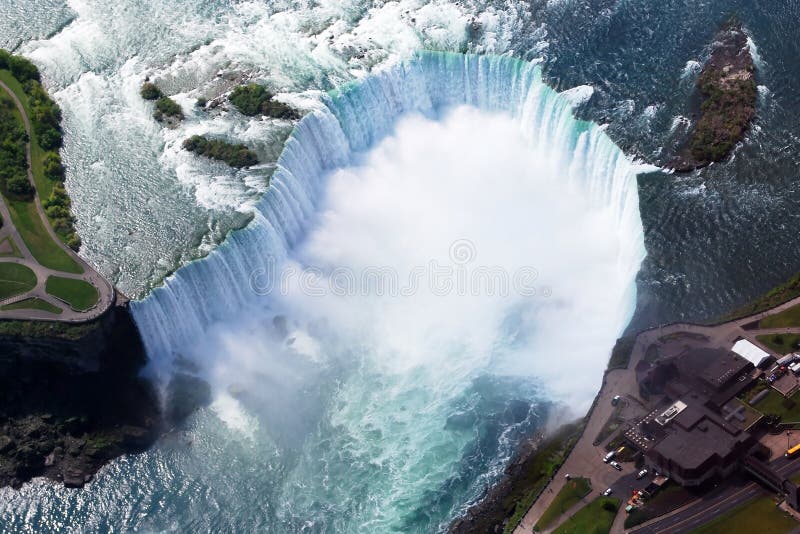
(755,355)
(692,444)
(689,437)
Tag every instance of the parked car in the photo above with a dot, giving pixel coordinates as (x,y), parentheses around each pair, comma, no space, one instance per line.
(615,400)
(641,474)
(610,456)
(607,492)
(616,466)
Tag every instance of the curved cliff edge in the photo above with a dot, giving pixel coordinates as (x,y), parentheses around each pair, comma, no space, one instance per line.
(728,95)
(71,398)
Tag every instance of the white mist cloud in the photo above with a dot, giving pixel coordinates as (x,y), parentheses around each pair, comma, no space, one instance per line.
(364,384)
(471,176)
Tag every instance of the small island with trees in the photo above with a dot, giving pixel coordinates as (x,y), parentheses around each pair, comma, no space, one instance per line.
(167,110)
(238,156)
(728,90)
(254,99)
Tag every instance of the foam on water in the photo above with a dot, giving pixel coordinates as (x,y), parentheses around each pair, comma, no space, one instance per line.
(95,55)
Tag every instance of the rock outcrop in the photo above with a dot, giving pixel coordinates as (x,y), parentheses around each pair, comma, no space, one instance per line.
(71,398)
(729,93)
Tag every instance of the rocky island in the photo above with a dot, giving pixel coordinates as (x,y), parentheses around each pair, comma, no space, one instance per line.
(728,94)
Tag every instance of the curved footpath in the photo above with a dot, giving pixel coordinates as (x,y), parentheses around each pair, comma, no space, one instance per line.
(585,459)
(107,294)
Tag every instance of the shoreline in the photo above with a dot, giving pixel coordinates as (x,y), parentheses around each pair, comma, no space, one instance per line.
(487,507)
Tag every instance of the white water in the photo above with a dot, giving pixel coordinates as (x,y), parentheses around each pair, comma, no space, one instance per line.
(144,206)
(366,387)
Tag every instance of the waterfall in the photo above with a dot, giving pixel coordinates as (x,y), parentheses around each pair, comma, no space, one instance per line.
(353,119)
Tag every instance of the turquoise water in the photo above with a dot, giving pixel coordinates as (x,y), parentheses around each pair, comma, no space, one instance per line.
(320,434)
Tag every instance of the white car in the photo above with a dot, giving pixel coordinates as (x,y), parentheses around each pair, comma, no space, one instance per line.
(641,474)
(616,466)
(607,492)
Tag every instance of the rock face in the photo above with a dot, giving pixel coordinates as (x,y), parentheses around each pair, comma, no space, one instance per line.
(728,90)
(69,404)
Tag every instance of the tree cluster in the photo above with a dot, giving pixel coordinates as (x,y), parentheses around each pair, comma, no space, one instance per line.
(253,99)
(45,116)
(150,91)
(166,108)
(13,162)
(57,207)
(234,155)
(22,69)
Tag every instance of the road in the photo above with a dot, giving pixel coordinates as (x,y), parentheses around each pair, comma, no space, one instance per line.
(717,502)
(586,459)
(106,291)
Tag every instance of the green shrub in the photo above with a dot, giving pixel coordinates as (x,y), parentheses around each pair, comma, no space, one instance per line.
(166,108)
(57,208)
(22,69)
(45,115)
(19,186)
(13,163)
(253,99)
(234,155)
(52,166)
(150,91)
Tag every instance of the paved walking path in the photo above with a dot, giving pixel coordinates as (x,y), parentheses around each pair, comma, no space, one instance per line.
(107,293)
(586,459)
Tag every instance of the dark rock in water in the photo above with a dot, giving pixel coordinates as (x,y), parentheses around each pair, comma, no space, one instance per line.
(729,94)
(70,403)
(185,394)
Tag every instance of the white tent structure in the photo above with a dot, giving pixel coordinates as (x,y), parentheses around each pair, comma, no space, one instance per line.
(750,352)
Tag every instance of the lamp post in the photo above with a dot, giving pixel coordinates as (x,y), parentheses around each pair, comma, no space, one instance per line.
(788,433)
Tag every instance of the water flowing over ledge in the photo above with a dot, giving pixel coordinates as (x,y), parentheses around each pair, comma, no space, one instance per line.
(353,119)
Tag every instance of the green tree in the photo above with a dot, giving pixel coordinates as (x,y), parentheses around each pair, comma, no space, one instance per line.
(53,168)
(253,99)
(167,108)
(150,91)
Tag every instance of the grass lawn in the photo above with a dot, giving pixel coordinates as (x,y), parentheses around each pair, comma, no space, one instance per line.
(78,294)
(775,403)
(46,251)
(777,295)
(572,492)
(15,279)
(14,253)
(780,343)
(621,353)
(534,475)
(32,304)
(594,518)
(611,425)
(669,498)
(788,317)
(758,515)
(44,186)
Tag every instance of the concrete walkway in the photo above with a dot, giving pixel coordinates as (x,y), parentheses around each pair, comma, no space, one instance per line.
(107,293)
(586,459)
